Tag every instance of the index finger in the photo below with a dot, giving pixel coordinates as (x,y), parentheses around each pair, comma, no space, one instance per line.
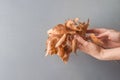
(96,30)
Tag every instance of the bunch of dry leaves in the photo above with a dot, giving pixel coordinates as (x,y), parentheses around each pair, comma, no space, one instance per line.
(61,38)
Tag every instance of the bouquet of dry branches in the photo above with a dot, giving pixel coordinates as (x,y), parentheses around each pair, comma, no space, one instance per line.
(61,38)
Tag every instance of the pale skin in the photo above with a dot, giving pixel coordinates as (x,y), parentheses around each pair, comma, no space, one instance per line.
(110,50)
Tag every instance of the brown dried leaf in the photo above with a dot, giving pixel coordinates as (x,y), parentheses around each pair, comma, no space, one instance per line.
(65,57)
(61,51)
(74,45)
(62,39)
(59,29)
(96,40)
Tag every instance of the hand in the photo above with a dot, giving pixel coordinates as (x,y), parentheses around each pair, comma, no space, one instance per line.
(89,47)
(111,38)
(97,51)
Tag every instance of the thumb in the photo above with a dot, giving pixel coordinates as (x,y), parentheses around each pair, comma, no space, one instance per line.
(80,40)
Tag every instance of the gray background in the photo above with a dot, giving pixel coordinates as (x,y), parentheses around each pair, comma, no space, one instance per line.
(23,26)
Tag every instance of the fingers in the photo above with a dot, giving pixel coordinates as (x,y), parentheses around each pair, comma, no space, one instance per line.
(81,40)
(103,35)
(96,30)
(81,43)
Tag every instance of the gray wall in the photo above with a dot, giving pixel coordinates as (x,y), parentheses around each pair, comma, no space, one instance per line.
(23,26)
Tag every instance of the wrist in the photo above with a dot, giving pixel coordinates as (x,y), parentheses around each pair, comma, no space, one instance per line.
(101,55)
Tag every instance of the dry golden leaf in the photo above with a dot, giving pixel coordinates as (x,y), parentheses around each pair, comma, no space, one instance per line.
(62,39)
(74,45)
(96,40)
(59,29)
(61,51)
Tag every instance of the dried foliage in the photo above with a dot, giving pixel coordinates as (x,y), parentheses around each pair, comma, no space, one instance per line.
(61,38)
